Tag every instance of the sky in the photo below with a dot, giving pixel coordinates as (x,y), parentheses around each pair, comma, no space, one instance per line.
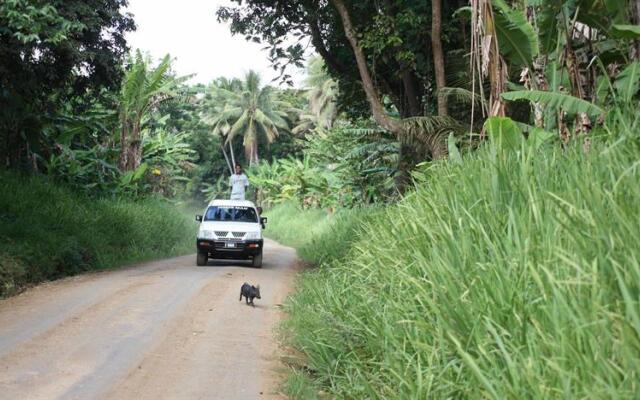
(189,32)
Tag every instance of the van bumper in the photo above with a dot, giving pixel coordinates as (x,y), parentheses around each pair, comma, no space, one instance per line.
(230,249)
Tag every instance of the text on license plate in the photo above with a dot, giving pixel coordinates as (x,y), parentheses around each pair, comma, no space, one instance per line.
(230,245)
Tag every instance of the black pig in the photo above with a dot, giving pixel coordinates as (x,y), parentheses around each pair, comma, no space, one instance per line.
(249,292)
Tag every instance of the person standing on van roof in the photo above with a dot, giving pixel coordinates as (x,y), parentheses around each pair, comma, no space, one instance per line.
(238,183)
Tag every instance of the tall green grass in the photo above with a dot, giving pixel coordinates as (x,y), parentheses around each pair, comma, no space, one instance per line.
(48,232)
(320,237)
(288,224)
(508,276)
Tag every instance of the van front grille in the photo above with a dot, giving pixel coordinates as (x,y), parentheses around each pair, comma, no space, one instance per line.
(238,246)
(221,233)
(238,235)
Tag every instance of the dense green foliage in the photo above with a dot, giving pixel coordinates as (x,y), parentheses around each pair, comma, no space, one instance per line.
(508,270)
(565,52)
(395,34)
(345,166)
(48,232)
(513,275)
(56,57)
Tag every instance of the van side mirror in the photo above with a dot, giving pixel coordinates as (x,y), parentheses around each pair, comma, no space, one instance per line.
(263,221)
(199,218)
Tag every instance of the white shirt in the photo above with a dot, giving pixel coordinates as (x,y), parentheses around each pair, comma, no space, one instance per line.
(238,184)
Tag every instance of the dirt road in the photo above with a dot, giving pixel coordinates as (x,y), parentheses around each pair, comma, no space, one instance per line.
(161,330)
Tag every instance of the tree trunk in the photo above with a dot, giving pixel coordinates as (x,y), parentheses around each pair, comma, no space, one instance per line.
(316,38)
(254,155)
(233,157)
(438,56)
(393,96)
(124,145)
(135,154)
(132,152)
(379,115)
(411,93)
(635,20)
(226,158)
(130,145)
(136,145)
(485,57)
(251,153)
(12,146)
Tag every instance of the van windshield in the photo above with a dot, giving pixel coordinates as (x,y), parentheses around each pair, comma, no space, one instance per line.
(231,213)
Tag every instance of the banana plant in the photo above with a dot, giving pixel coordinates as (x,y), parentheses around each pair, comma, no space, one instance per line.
(170,160)
(142,90)
(564,53)
(507,135)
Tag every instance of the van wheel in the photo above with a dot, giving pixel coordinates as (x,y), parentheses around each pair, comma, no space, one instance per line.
(257,261)
(202,259)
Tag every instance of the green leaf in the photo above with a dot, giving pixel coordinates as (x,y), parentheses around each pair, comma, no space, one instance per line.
(628,82)
(538,137)
(516,36)
(126,178)
(454,153)
(625,31)
(503,132)
(556,101)
(603,87)
(139,172)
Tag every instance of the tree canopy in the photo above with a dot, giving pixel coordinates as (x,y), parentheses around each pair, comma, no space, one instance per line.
(52,55)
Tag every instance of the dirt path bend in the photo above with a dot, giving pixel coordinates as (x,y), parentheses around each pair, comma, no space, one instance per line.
(161,330)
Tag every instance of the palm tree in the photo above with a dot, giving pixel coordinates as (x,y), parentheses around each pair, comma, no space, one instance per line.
(217,114)
(250,110)
(321,94)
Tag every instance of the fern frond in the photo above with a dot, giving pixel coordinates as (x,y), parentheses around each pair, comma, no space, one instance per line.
(460,95)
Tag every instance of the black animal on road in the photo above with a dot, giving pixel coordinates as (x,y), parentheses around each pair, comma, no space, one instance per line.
(249,292)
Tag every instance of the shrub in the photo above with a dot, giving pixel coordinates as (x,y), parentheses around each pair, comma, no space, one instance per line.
(49,232)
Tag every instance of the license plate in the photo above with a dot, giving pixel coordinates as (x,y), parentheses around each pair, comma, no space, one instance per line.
(230,245)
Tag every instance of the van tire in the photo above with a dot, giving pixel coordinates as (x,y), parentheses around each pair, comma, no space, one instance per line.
(257,261)
(202,259)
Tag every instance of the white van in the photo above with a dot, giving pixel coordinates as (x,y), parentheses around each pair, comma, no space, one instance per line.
(230,229)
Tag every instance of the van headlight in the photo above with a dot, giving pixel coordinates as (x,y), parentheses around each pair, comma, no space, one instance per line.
(204,234)
(252,235)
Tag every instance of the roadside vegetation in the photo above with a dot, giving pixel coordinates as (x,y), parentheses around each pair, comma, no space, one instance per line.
(462,175)
(492,277)
(48,232)
(474,234)
(102,146)
(318,235)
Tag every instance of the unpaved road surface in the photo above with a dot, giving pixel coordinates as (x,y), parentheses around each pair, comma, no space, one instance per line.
(161,330)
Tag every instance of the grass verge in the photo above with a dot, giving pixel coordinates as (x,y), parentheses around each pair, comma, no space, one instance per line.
(48,232)
(319,237)
(507,276)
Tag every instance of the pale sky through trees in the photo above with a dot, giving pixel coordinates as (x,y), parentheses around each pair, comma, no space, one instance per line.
(190,32)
